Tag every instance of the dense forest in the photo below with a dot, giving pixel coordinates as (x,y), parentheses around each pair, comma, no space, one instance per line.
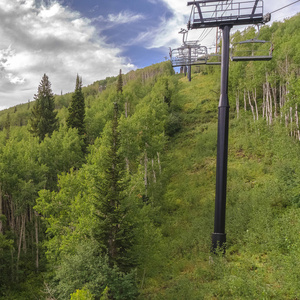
(108,192)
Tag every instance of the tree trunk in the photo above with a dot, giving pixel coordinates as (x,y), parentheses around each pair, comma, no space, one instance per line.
(153,171)
(297,122)
(24,232)
(255,102)
(264,102)
(245,103)
(269,104)
(146,172)
(126,109)
(274,90)
(20,242)
(280,101)
(36,241)
(159,165)
(252,108)
(237,103)
(291,120)
(286,120)
(12,215)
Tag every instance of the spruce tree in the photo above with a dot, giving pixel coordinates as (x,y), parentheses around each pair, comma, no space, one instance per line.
(43,117)
(77,109)
(7,126)
(114,231)
(120,83)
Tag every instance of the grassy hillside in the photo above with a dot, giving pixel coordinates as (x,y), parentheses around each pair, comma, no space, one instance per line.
(262,207)
(161,134)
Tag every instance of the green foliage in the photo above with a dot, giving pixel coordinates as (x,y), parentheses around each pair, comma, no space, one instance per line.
(43,119)
(135,220)
(66,146)
(83,294)
(113,227)
(105,294)
(6,246)
(120,83)
(88,269)
(77,109)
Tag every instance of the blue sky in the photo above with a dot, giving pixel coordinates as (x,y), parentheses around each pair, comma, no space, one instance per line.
(94,38)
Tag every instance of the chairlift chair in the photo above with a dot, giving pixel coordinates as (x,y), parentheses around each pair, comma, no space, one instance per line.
(188,54)
(213,59)
(245,51)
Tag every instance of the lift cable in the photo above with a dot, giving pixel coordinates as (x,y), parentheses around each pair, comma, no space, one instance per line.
(204,33)
(205,29)
(284,7)
(222,16)
(209,33)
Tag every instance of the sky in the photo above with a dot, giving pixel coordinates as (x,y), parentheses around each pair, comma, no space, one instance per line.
(92,38)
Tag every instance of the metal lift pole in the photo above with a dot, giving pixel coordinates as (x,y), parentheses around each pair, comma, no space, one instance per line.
(190,66)
(219,236)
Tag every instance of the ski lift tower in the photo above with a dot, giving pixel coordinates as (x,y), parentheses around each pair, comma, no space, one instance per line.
(224,14)
(189,45)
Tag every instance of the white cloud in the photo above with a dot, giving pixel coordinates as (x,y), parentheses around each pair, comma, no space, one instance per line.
(166,33)
(125,17)
(286,12)
(53,40)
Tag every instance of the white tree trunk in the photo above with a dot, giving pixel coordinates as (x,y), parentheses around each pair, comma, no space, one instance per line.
(291,120)
(245,103)
(255,102)
(146,172)
(153,171)
(252,108)
(237,103)
(159,165)
(264,101)
(271,104)
(274,90)
(297,122)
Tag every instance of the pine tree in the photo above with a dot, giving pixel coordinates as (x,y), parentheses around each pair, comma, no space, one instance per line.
(120,83)
(43,117)
(77,109)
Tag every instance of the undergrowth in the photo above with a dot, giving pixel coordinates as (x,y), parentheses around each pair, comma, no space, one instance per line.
(262,219)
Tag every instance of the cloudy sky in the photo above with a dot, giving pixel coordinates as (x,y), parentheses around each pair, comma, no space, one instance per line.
(94,38)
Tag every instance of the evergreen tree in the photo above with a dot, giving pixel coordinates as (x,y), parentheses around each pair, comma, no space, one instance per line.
(43,117)
(120,83)
(7,126)
(77,109)
(114,232)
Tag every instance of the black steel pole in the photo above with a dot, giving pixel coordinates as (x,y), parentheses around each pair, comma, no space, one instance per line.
(219,236)
(190,66)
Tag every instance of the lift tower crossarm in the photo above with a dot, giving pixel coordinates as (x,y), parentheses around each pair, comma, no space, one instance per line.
(207,13)
(254,7)
(204,1)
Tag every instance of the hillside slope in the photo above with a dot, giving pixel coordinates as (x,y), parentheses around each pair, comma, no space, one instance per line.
(262,223)
(132,217)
